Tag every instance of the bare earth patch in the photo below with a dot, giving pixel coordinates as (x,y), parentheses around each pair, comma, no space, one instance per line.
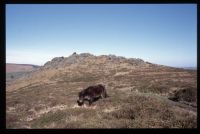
(84,106)
(110,109)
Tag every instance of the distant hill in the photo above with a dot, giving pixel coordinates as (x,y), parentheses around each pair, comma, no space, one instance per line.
(11,67)
(15,71)
(190,68)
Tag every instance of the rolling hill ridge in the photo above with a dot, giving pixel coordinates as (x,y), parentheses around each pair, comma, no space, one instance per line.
(142,94)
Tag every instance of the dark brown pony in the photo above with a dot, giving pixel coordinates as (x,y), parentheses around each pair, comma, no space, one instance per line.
(91,94)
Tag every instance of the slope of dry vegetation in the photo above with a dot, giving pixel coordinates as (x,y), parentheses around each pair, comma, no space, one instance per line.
(138,91)
(15,71)
(10,67)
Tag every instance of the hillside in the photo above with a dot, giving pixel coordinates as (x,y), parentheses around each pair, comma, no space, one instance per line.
(15,71)
(142,95)
(11,67)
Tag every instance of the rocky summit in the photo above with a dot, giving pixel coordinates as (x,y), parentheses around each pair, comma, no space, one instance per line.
(141,94)
(89,59)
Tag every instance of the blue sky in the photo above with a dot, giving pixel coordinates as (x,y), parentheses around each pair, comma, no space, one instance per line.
(159,33)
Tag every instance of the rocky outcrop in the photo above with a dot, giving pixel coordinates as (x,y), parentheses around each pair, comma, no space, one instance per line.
(88,59)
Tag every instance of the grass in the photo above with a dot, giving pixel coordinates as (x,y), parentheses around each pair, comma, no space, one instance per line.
(135,111)
(48,118)
(64,118)
(150,112)
(14,75)
(11,121)
(144,106)
(156,88)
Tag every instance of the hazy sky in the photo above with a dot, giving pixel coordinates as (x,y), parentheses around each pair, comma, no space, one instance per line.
(162,33)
